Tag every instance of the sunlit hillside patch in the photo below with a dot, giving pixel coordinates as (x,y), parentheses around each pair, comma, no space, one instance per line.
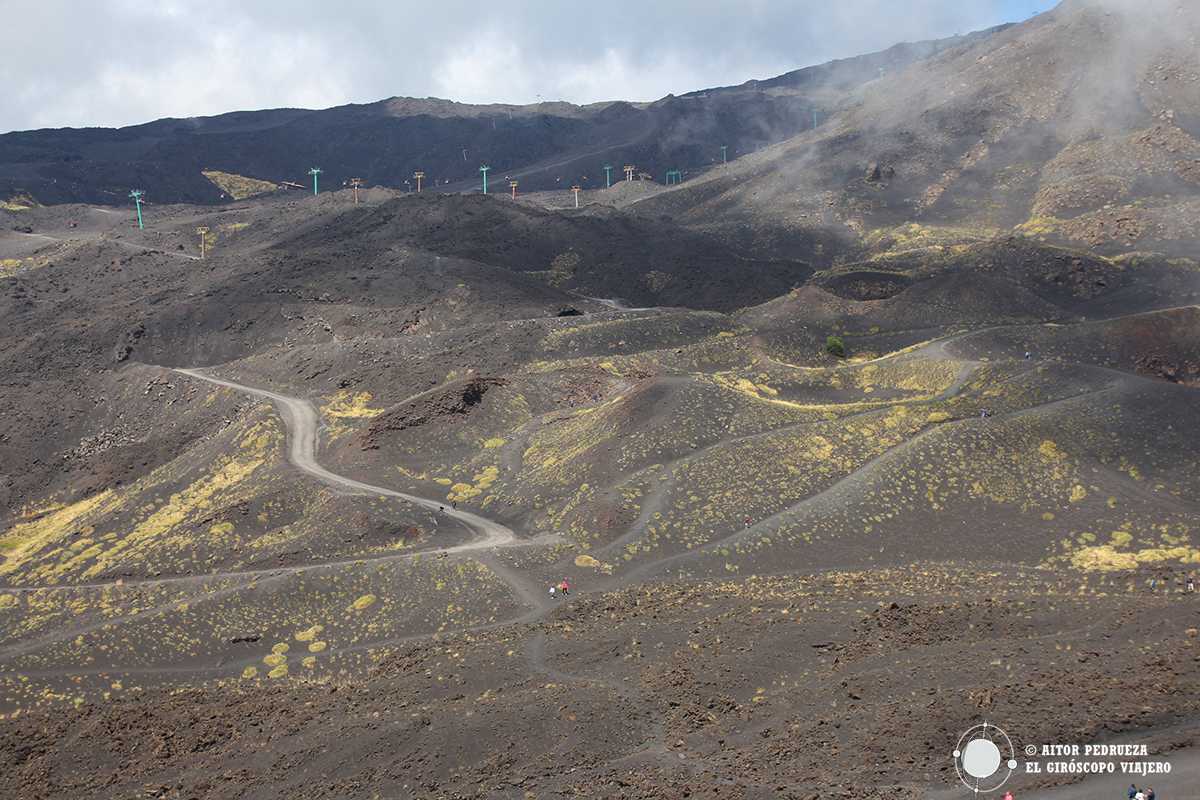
(36,612)
(363,602)
(1139,542)
(344,409)
(45,537)
(19,202)
(585,561)
(801,390)
(350,405)
(310,633)
(887,242)
(1109,558)
(151,523)
(1040,226)
(707,412)
(553,455)
(163,530)
(239,187)
(303,615)
(627,333)
(481,482)
(712,493)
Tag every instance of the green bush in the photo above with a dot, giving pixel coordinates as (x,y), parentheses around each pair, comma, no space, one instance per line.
(835,346)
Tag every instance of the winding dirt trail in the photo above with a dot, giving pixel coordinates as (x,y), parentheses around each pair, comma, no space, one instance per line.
(303,423)
(860,475)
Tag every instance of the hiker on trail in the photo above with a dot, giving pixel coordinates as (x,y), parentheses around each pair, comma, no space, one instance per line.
(1028,355)
(551,591)
(565,586)
(442,509)
(747,521)
(1190,587)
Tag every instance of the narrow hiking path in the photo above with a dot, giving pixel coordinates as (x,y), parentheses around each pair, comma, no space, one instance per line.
(616,305)
(302,423)
(862,473)
(653,745)
(656,498)
(932,348)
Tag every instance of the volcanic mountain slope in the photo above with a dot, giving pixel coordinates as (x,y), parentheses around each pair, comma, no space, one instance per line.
(284,518)
(770,493)
(205,159)
(595,251)
(161,302)
(1078,126)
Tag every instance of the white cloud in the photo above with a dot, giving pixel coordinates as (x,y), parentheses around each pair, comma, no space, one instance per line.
(228,72)
(473,74)
(116,62)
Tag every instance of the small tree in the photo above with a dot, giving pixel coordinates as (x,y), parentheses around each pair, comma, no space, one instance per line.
(835,346)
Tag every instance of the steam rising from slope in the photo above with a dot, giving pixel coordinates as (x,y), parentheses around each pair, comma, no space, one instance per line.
(1081,126)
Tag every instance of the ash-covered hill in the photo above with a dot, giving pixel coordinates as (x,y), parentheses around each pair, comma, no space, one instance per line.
(890,450)
(548,145)
(596,251)
(1081,126)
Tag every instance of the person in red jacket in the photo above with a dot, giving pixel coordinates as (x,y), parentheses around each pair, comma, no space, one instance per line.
(565,586)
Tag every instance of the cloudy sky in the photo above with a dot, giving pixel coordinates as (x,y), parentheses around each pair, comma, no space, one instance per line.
(118,62)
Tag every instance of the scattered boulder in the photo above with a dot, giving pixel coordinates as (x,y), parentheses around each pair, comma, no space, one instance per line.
(877,173)
(1163,368)
(456,401)
(126,346)
(248,638)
